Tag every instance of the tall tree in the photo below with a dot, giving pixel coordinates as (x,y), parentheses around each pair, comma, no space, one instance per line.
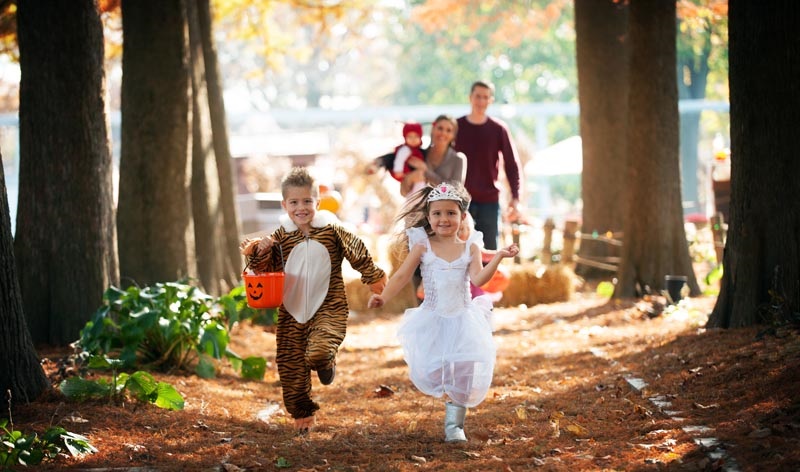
(601,28)
(206,210)
(20,371)
(232,260)
(655,241)
(761,281)
(65,236)
(204,236)
(156,232)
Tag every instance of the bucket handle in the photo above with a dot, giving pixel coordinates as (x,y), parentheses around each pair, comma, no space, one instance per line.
(250,259)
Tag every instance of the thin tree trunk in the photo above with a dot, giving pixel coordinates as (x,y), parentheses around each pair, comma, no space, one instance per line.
(65,235)
(654,237)
(208,217)
(761,281)
(156,232)
(602,58)
(232,226)
(20,371)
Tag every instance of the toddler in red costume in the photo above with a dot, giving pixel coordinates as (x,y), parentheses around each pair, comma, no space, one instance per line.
(412,134)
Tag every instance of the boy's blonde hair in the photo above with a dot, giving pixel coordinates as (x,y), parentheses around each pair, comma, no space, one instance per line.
(299,177)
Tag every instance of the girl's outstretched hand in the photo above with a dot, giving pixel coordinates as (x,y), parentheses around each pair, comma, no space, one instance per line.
(375,301)
(509,251)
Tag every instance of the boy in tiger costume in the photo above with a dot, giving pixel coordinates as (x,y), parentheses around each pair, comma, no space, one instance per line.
(309,248)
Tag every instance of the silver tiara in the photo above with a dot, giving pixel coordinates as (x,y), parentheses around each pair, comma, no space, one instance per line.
(444,192)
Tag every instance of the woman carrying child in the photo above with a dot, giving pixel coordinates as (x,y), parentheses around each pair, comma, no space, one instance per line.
(447,341)
(442,162)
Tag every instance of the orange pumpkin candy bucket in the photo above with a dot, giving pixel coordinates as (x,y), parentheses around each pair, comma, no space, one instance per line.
(264,290)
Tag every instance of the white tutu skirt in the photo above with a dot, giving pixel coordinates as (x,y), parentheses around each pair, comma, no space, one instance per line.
(451,353)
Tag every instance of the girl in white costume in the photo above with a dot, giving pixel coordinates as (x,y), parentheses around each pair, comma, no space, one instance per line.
(447,340)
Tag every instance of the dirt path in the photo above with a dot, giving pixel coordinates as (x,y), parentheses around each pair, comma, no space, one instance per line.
(581,385)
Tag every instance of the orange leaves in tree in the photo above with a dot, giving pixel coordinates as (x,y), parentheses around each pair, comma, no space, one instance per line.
(507,22)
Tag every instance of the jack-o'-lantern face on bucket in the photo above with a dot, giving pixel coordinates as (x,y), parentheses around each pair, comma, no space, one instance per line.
(255,290)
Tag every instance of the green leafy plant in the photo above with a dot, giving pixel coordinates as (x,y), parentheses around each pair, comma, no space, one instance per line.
(237,309)
(17,448)
(140,385)
(167,326)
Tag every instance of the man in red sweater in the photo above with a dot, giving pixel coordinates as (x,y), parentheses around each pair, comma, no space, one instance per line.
(484,140)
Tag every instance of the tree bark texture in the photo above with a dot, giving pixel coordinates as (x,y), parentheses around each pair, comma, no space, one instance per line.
(602,57)
(65,235)
(156,233)
(232,227)
(654,237)
(209,223)
(762,252)
(20,371)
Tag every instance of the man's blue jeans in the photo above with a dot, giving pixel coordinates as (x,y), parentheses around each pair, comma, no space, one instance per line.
(487,221)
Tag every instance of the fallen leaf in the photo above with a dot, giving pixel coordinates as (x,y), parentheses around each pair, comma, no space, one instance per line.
(556,429)
(577,430)
(704,407)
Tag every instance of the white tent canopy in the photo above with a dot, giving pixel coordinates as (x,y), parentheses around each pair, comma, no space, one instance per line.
(563,158)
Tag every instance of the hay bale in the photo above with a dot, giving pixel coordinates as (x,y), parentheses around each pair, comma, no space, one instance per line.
(519,290)
(396,253)
(533,283)
(358,295)
(557,284)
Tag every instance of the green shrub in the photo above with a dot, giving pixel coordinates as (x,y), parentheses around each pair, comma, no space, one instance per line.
(140,385)
(167,326)
(17,448)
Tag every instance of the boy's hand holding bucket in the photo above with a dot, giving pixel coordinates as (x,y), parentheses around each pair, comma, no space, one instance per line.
(251,247)
(264,290)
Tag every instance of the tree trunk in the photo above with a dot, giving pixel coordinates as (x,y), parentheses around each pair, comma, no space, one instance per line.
(156,233)
(654,238)
(65,236)
(20,371)
(692,76)
(762,253)
(602,58)
(219,129)
(206,210)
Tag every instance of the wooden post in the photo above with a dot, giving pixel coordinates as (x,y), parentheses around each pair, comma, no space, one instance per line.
(570,232)
(718,230)
(547,252)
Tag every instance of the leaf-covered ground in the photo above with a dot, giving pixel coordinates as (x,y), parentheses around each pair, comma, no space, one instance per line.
(586,384)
